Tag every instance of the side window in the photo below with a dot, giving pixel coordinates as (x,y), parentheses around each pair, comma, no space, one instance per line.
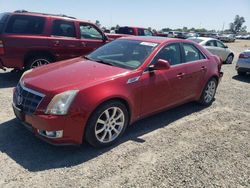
(25,25)
(210,43)
(192,53)
(220,45)
(147,32)
(171,53)
(141,32)
(90,32)
(63,28)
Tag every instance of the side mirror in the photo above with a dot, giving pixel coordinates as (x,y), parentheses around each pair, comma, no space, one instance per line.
(160,65)
(226,46)
(105,38)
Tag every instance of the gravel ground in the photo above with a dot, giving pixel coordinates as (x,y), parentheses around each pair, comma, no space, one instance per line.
(188,146)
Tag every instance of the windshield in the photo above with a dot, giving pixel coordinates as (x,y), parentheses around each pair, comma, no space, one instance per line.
(3,18)
(129,54)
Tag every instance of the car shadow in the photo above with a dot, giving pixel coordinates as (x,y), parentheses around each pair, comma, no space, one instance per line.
(9,79)
(35,155)
(245,78)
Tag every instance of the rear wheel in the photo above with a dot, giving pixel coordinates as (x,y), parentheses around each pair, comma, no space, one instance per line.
(208,93)
(107,124)
(37,62)
(230,59)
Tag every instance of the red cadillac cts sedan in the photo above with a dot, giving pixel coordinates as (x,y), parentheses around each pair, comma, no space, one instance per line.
(94,98)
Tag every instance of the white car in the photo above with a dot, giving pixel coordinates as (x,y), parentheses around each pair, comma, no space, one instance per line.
(216,47)
(243,63)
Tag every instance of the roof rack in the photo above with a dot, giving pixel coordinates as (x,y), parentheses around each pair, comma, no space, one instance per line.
(61,15)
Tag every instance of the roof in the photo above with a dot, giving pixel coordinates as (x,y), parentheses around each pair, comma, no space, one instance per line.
(153,39)
(203,38)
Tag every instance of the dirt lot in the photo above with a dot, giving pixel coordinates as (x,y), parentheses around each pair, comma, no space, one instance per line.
(189,146)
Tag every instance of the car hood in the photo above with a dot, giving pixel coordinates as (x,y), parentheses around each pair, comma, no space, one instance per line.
(72,74)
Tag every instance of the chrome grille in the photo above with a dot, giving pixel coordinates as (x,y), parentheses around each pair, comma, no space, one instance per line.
(26,99)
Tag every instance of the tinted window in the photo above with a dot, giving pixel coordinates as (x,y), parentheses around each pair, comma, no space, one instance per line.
(128,54)
(3,18)
(25,25)
(126,30)
(63,28)
(211,43)
(192,53)
(171,53)
(89,32)
(141,32)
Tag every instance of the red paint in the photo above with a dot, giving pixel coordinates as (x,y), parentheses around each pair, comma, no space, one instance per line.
(97,83)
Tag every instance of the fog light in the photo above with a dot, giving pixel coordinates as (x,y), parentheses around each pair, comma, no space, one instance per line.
(51,134)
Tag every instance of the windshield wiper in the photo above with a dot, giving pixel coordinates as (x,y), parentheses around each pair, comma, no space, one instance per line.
(103,62)
(99,61)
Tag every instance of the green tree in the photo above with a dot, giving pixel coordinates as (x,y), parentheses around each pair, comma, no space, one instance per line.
(236,26)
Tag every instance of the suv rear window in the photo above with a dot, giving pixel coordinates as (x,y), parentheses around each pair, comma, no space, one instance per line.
(126,30)
(21,24)
(63,28)
(3,18)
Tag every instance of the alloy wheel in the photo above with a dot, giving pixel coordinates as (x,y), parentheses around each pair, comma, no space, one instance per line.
(210,91)
(109,125)
(39,62)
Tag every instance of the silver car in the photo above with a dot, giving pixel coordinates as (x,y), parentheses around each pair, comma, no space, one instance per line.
(216,47)
(243,63)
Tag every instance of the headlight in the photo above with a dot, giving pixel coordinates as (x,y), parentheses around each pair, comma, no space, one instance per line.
(60,103)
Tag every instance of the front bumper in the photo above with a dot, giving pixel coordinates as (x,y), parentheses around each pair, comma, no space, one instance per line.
(72,127)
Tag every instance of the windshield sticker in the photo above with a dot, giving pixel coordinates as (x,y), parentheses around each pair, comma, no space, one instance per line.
(148,44)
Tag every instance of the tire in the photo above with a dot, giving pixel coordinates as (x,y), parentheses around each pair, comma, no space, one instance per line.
(37,61)
(208,92)
(240,73)
(103,128)
(230,59)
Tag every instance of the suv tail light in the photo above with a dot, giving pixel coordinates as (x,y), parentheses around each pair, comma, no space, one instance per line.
(243,56)
(1,48)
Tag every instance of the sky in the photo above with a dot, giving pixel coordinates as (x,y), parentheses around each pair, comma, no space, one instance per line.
(157,14)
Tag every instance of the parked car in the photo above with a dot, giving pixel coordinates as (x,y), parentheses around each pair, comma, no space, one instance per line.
(137,31)
(28,39)
(243,63)
(216,47)
(119,83)
(173,34)
(227,38)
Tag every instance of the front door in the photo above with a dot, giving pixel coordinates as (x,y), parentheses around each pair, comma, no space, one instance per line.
(91,38)
(164,88)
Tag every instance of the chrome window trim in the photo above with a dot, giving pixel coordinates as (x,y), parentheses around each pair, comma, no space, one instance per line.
(32,91)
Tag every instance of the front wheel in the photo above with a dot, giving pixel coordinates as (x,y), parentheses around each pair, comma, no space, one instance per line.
(230,59)
(37,62)
(107,124)
(208,93)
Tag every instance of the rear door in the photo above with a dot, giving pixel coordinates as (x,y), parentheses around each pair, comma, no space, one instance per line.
(196,68)
(91,38)
(63,40)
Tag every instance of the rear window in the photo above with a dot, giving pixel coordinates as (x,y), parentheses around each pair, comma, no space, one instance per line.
(126,30)
(3,18)
(21,24)
(196,40)
(63,28)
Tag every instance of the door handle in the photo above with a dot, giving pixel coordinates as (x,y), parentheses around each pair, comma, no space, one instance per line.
(180,75)
(204,68)
(83,44)
(56,43)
